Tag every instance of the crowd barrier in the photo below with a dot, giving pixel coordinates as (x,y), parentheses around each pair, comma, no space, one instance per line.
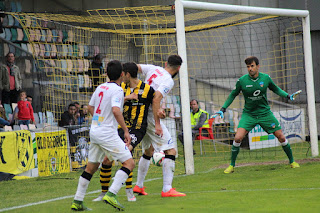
(44,152)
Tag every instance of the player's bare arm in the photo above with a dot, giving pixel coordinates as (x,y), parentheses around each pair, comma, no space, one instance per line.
(91,110)
(119,117)
(157,112)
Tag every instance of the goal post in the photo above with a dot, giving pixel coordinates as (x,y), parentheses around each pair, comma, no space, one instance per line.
(181,6)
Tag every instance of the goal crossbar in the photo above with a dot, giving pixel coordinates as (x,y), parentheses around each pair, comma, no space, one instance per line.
(244,9)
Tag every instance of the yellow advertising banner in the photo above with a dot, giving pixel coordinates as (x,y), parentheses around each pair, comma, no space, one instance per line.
(52,152)
(16,152)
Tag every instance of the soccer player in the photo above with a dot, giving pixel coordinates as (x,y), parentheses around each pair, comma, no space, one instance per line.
(106,106)
(157,135)
(138,98)
(256,109)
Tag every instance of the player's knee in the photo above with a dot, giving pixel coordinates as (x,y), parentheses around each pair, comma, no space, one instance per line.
(238,139)
(282,139)
(129,164)
(149,152)
(106,161)
(170,151)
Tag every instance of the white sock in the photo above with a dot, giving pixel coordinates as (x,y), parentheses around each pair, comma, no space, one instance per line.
(119,179)
(284,143)
(168,167)
(142,171)
(82,189)
(236,144)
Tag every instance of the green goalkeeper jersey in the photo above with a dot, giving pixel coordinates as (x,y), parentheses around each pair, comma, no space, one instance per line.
(255,93)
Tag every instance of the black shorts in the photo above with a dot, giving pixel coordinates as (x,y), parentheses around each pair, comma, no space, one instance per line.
(136,136)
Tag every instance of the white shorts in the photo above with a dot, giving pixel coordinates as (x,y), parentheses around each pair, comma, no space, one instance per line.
(159,143)
(111,146)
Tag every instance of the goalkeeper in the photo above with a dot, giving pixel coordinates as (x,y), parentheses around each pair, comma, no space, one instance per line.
(256,109)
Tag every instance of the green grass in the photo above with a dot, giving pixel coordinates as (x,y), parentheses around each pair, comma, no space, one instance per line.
(263,188)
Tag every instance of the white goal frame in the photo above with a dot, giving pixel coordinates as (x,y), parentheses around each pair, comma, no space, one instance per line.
(180,5)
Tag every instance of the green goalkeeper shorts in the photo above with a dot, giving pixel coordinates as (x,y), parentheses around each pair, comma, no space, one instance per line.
(268,122)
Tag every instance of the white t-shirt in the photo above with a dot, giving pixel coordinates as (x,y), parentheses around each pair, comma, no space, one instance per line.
(158,78)
(106,96)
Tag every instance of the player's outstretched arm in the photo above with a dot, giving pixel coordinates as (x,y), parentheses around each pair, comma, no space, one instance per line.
(219,113)
(292,97)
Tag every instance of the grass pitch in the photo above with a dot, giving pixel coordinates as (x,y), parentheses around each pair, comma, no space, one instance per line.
(254,188)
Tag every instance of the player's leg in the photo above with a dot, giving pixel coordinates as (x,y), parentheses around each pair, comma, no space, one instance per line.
(120,177)
(136,138)
(105,177)
(124,156)
(286,148)
(168,164)
(95,155)
(270,124)
(245,125)
(143,167)
(235,149)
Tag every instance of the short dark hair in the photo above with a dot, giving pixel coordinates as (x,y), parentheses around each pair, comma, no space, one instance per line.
(174,61)
(98,57)
(9,54)
(71,105)
(29,96)
(131,68)
(195,101)
(114,70)
(251,59)
(76,103)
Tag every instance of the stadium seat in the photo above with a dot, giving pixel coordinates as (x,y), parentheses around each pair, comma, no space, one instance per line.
(16,127)
(7,128)
(50,119)
(24,127)
(32,127)
(201,136)
(39,125)
(36,118)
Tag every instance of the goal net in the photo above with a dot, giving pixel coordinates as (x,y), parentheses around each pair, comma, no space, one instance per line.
(217,42)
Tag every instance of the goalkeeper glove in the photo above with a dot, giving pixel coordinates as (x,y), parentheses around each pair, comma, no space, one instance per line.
(220,113)
(293,96)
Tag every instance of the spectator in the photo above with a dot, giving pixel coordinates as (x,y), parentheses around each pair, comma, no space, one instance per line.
(77,113)
(11,89)
(25,113)
(29,98)
(4,80)
(95,70)
(3,118)
(68,117)
(199,118)
(83,118)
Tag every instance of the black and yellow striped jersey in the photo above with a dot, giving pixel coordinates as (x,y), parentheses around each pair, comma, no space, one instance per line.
(135,112)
